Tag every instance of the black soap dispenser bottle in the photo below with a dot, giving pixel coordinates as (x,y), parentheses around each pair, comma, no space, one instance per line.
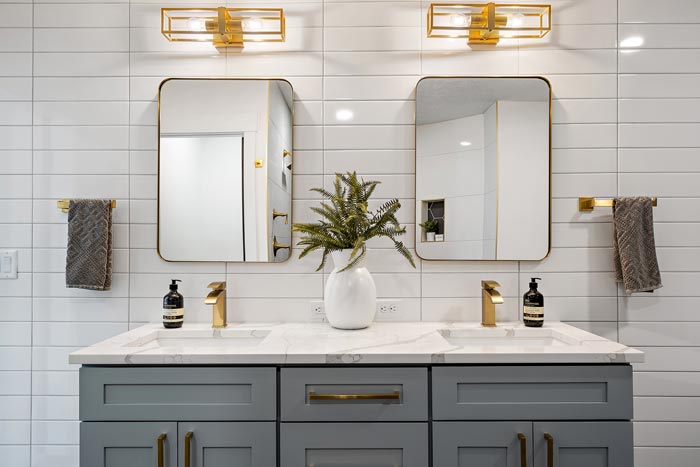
(173,307)
(533,305)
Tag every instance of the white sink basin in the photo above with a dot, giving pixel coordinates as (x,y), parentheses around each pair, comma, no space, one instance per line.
(167,339)
(508,337)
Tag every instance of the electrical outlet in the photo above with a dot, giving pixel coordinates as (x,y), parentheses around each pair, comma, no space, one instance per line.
(387,306)
(317,311)
(8,264)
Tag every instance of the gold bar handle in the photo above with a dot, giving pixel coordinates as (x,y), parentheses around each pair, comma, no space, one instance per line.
(523,449)
(587,203)
(161,440)
(393,396)
(276,246)
(550,449)
(188,448)
(64,204)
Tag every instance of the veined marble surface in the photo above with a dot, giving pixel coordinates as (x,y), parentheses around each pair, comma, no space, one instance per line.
(391,343)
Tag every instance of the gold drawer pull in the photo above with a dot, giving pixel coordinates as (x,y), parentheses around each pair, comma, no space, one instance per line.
(550,449)
(161,440)
(188,443)
(523,449)
(394,396)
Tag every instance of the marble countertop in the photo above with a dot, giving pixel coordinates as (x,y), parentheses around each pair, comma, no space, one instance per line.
(381,343)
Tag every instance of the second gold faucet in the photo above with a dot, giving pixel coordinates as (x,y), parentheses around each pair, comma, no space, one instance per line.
(490,297)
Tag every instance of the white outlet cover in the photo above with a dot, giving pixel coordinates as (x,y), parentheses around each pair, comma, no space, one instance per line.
(8,264)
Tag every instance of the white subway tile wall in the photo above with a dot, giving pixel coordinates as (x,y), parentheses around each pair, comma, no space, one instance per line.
(78,116)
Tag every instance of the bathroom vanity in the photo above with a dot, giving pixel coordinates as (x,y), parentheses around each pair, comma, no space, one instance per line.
(399,394)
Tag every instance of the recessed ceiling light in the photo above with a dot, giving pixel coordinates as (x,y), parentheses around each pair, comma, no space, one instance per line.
(344,115)
(633,41)
(465,143)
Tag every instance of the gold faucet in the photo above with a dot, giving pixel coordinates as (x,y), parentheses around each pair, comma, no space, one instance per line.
(490,297)
(217,297)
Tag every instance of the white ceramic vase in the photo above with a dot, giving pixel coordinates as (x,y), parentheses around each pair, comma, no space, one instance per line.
(350,298)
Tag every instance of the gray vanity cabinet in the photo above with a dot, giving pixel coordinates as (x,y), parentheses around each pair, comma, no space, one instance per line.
(227,444)
(120,444)
(477,444)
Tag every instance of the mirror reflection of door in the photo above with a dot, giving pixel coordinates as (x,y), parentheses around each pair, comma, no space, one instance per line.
(224,170)
(482,168)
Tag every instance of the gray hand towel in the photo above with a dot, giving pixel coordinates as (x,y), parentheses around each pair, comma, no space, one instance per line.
(636,266)
(89,257)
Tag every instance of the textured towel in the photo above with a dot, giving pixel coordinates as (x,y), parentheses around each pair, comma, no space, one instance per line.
(636,266)
(89,258)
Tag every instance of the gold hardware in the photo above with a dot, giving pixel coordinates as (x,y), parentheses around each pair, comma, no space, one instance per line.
(490,297)
(217,297)
(396,395)
(188,442)
(161,439)
(487,23)
(64,204)
(223,27)
(278,246)
(286,153)
(550,449)
(258,163)
(276,214)
(587,204)
(523,449)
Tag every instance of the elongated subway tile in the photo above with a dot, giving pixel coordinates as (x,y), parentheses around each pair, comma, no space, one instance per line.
(81,113)
(659,85)
(659,135)
(567,61)
(15,15)
(660,61)
(601,86)
(16,40)
(369,113)
(467,62)
(86,15)
(660,184)
(81,64)
(81,89)
(644,11)
(584,111)
(15,64)
(353,39)
(372,14)
(372,63)
(572,185)
(584,136)
(584,160)
(575,36)
(81,40)
(81,186)
(370,88)
(387,161)
(369,137)
(81,162)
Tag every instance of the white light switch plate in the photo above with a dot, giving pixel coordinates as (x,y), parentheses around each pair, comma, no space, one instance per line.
(8,264)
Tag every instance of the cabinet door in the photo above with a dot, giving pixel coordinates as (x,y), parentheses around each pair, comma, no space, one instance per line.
(479,444)
(354,445)
(133,444)
(583,444)
(227,444)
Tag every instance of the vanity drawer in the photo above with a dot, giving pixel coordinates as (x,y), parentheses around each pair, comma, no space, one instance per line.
(155,394)
(354,394)
(533,392)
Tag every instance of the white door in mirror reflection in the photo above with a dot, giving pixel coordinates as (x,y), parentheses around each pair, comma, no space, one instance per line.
(196,172)
(482,168)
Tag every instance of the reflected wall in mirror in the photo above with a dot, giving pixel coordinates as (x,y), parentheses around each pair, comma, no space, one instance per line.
(483,168)
(225,170)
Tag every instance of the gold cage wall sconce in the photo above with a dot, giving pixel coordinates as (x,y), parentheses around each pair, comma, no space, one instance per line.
(487,23)
(225,28)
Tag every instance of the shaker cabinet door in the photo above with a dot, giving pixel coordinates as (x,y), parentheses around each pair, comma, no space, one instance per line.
(583,444)
(479,444)
(132,444)
(227,444)
(354,445)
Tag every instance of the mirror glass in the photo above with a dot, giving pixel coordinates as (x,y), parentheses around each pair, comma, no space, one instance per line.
(483,168)
(225,170)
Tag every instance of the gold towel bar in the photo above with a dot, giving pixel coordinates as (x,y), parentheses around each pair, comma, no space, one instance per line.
(588,204)
(64,204)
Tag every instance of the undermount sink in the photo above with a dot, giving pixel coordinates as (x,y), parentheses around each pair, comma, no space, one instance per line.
(507,337)
(211,338)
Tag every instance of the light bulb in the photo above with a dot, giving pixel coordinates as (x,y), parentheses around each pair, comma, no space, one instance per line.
(461,20)
(633,41)
(516,21)
(195,24)
(465,143)
(343,115)
(252,24)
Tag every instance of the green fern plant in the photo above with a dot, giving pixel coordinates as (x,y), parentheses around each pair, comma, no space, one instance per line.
(347,223)
(430,226)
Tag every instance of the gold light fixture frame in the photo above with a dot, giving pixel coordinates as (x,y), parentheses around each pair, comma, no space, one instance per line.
(487,23)
(223,27)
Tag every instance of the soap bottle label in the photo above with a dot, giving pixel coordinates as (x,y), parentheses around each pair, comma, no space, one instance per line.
(173,315)
(533,313)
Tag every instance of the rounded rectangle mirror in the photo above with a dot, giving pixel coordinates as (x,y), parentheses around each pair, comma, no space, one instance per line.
(225,169)
(483,168)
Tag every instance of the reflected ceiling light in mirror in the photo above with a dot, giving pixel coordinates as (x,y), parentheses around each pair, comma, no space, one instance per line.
(223,27)
(631,42)
(344,115)
(486,23)
(465,143)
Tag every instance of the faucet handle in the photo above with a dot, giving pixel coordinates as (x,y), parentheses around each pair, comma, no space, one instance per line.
(489,285)
(217,286)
